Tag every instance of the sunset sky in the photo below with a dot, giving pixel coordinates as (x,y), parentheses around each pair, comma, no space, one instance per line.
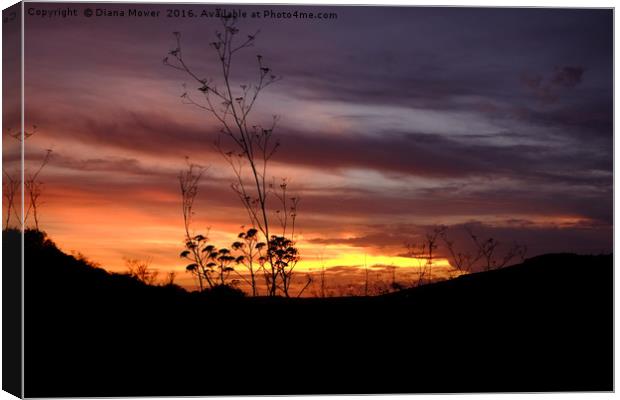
(392,120)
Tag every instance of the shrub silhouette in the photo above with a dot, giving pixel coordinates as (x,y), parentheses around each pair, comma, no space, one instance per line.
(141,270)
(223,291)
(488,254)
(425,250)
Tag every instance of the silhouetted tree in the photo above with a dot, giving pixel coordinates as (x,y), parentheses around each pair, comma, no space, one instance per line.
(431,245)
(462,260)
(170,278)
(487,254)
(252,143)
(487,251)
(282,248)
(322,281)
(189,180)
(309,281)
(426,250)
(220,261)
(366,281)
(141,270)
(417,251)
(10,187)
(211,264)
(251,250)
(32,185)
(284,256)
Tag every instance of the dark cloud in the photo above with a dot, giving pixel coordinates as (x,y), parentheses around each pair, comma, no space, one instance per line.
(140,132)
(567,76)
(112,164)
(436,156)
(550,89)
(408,153)
(586,125)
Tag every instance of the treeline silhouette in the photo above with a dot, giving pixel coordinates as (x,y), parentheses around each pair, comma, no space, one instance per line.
(544,325)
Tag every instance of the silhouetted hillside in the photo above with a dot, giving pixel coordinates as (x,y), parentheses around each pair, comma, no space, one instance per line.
(543,325)
(51,271)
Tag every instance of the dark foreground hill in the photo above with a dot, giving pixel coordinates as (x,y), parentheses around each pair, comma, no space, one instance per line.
(545,325)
